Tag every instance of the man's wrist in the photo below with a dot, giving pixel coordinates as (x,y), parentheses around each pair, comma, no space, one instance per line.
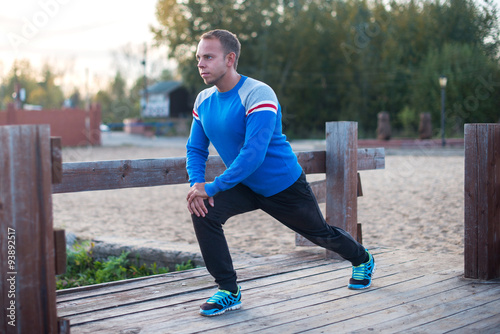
(211,189)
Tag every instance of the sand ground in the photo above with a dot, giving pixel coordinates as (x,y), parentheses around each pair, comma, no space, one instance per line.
(416,202)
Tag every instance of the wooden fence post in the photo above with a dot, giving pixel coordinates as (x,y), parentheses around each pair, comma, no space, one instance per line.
(482,201)
(342,177)
(27,269)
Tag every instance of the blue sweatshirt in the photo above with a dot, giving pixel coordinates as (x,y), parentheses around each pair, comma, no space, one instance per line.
(244,126)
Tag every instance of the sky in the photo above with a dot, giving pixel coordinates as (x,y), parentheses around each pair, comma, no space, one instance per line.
(82,39)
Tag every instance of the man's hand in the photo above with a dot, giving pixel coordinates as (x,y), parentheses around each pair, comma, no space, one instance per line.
(195,197)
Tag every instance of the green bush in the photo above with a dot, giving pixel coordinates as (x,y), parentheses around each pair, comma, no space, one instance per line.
(409,120)
(82,269)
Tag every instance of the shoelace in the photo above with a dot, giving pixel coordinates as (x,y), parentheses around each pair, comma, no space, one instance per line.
(221,297)
(360,272)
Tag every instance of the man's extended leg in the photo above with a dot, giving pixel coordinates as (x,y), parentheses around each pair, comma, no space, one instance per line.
(297,208)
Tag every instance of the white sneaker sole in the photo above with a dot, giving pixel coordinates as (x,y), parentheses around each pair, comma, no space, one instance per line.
(232,308)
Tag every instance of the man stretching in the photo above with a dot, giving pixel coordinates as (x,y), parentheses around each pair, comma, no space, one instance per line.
(241,117)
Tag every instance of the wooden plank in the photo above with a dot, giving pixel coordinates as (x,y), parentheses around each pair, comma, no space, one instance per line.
(327,272)
(334,305)
(97,290)
(251,280)
(64,326)
(331,303)
(303,242)
(321,291)
(248,278)
(154,292)
(418,314)
(359,191)
(360,233)
(119,174)
(60,251)
(312,162)
(407,293)
(490,324)
(56,157)
(464,316)
(471,202)
(319,190)
(367,159)
(481,209)
(172,300)
(483,201)
(28,295)
(104,298)
(491,246)
(371,158)
(341,177)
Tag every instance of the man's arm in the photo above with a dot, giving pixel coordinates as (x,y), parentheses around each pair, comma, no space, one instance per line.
(196,158)
(196,153)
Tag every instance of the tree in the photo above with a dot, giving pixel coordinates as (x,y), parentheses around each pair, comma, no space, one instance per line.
(117,103)
(47,93)
(473,88)
(21,74)
(76,99)
(333,60)
(104,99)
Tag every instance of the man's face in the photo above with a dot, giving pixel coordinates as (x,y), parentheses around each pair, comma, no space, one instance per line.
(212,63)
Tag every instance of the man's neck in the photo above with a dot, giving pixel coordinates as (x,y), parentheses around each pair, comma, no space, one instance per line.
(231,79)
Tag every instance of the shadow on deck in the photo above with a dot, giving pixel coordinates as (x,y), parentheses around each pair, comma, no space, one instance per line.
(298,292)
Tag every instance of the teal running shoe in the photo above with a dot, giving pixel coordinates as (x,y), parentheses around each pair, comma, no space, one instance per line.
(362,275)
(221,302)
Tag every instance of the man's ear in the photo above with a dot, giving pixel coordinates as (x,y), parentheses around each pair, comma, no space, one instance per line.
(230,58)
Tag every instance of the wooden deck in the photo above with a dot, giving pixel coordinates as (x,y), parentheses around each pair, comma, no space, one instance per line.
(295,293)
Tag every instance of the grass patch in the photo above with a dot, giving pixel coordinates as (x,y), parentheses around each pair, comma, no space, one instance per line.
(82,269)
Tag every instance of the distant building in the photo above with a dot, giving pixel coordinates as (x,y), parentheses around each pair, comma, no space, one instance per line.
(165,99)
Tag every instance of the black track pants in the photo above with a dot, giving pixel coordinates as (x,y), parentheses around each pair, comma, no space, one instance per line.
(295,207)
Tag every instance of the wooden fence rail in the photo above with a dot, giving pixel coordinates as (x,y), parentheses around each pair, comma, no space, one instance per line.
(119,174)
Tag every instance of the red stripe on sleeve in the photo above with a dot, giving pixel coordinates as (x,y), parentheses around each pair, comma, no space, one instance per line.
(265,105)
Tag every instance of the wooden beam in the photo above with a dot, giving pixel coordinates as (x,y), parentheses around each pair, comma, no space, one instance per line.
(481,201)
(118,174)
(341,177)
(56,156)
(371,158)
(60,251)
(360,233)
(28,294)
(360,187)
(64,326)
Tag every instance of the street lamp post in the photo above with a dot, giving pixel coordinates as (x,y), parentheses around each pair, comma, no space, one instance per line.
(442,82)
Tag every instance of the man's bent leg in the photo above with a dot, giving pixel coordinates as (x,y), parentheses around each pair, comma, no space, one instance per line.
(211,238)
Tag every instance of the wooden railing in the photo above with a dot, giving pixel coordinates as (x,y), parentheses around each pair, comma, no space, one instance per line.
(339,190)
(31,169)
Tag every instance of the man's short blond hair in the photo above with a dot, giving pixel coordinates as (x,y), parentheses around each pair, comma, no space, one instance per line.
(228,40)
